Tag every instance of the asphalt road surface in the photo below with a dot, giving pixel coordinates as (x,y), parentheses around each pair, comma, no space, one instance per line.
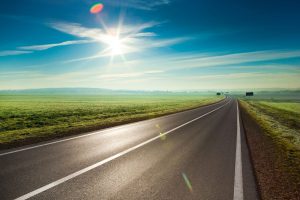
(196,154)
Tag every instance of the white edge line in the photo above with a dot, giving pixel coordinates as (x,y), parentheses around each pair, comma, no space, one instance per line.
(238,174)
(75,174)
(81,136)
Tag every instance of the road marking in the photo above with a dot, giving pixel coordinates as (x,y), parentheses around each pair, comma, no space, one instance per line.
(85,135)
(82,171)
(238,174)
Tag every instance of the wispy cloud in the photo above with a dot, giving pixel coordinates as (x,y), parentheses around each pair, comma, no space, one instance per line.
(48,46)
(132,31)
(78,30)
(136,45)
(31,48)
(138,4)
(135,38)
(13,52)
(155,43)
(11,74)
(269,66)
(227,76)
(236,58)
(188,61)
(128,75)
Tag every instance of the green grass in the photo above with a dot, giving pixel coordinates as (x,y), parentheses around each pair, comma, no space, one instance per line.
(27,117)
(280,121)
(284,113)
(284,106)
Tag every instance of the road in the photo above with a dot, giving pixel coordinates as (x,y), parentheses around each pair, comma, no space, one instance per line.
(195,154)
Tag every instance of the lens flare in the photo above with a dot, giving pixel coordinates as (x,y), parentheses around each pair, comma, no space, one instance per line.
(161,135)
(96,8)
(187,182)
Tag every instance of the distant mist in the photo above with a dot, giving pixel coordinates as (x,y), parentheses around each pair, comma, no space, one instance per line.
(96,91)
(101,91)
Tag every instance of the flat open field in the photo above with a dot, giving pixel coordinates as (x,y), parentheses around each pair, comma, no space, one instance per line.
(280,119)
(32,117)
(278,113)
(275,145)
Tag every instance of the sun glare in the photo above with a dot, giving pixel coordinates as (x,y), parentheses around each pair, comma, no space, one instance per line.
(118,42)
(115,46)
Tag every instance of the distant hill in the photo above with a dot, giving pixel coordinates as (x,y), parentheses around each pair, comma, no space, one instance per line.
(46,91)
(94,91)
(102,91)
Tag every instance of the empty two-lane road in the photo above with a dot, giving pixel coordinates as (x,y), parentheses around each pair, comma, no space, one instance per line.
(196,154)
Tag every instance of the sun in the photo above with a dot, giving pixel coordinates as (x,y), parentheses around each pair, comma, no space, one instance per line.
(118,42)
(116,46)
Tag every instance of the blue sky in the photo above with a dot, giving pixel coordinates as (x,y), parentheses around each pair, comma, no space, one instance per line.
(150,45)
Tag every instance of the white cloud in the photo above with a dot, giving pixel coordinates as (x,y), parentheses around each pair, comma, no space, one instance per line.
(235,58)
(227,76)
(32,48)
(134,38)
(148,34)
(99,34)
(133,33)
(78,30)
(101,54)
(188,61)
(48,46)
(129,75)
(13,52)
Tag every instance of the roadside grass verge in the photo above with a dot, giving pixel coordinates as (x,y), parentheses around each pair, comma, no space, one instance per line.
(281,121)
(277,152)
(31,118)
(287,113)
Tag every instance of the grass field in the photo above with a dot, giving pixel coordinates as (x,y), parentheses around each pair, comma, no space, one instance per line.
(278,113)
(35,117)
(272,124)
(293,107)
(280,120)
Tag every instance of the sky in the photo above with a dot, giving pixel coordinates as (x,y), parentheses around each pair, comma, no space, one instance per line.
(150,45)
